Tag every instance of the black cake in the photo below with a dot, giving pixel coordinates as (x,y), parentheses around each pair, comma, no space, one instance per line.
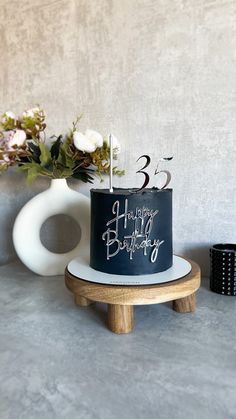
(131,232)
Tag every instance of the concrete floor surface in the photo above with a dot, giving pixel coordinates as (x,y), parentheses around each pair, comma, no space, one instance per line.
(60,361)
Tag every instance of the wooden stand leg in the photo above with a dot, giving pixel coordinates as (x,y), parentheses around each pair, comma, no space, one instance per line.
(185,305)
(120,318)
(82,301)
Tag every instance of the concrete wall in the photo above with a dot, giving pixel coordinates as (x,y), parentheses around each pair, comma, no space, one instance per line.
(160,74)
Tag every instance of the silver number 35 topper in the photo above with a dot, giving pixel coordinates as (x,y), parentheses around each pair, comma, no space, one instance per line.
(157,172)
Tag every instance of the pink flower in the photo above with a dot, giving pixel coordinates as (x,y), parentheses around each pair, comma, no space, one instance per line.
(10,115)
(31,113)
(17,139)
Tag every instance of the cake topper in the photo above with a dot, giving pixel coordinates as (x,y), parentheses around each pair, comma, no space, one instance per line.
(147,177)
(157,172)
(167,173)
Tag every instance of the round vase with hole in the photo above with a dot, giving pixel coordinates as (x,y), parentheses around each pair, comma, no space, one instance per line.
(58,199)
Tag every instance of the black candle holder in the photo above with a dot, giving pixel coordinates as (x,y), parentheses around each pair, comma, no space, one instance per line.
(223,269)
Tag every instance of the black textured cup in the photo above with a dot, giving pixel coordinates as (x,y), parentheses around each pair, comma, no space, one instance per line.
(223,269)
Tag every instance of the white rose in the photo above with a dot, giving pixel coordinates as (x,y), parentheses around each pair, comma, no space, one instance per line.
(115,143)
(82,143)
(94,137)
(18,138)
(87,142)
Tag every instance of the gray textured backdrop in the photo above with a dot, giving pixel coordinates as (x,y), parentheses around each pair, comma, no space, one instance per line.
(160,74)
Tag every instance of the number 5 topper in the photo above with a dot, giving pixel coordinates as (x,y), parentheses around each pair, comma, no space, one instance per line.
(157,172)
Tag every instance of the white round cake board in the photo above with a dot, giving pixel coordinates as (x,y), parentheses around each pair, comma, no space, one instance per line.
(80,268)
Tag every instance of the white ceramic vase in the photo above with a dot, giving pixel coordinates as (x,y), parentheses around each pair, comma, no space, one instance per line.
(58,199)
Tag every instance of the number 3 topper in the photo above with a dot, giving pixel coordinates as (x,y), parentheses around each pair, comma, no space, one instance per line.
(157,172)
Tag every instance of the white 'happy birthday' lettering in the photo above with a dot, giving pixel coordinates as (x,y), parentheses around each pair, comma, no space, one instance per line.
(142,219)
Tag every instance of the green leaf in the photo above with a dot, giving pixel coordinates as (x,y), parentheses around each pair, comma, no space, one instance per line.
(49,167)
(55,149)
(83,170)
(85,177)
(66,172)
(78,164)
(65,159)
(45,156)
(35,150)
(34,170)
(25,166)
(33,173)
(62,157)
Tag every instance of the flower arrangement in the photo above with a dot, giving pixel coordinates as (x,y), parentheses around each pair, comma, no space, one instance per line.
(23,143)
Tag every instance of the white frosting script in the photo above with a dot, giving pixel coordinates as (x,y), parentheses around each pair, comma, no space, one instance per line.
(142,220)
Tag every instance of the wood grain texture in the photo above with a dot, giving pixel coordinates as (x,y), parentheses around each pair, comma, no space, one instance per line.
(82,301)
(186,304)
(120,318)
(131,295)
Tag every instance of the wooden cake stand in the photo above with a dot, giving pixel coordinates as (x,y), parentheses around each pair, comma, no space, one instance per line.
(122,299)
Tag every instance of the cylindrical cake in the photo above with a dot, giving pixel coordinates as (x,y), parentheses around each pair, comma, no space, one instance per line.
(131,232)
